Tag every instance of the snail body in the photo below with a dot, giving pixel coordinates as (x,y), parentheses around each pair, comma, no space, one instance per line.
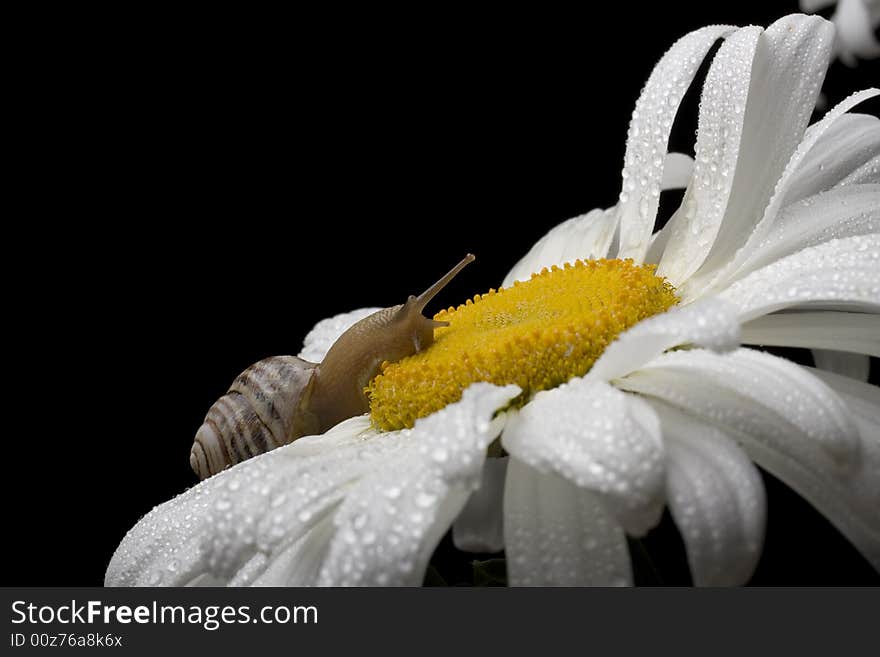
(282,398)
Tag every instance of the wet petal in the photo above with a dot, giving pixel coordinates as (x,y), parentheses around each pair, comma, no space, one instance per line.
(768,416)
(716,497)
(710,323)
(389,524)
(172,545)
(648,136)
(858,333)
(589,236)
(850,142)
(558,534)
(738,240)
(788,68)
(597,438)
(841,274)
(719,134)
(380,501)
(868,173)
(787,404)
(843,212)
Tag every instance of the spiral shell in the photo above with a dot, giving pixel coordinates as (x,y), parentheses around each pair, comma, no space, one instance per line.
(260,411)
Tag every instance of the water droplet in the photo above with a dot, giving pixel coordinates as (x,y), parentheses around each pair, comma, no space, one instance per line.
(424,500)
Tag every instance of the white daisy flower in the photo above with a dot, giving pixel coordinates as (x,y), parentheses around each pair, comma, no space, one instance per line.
(616,389)
(855,21)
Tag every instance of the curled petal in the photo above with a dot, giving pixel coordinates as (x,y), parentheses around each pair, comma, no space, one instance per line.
(591,235)
(716,497)
(719,135)
(348,507)
(710,323)
(789,64)
(597,438)
(173,545)
(841,274)
(770,418)
(868,173)
(844,147)
(648,136)
(678,171)
(843,212)
(389,524)
(788,405)
(737,240)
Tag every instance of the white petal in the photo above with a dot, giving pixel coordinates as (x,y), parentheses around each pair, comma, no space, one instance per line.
(842,212)
(851,504)
(869,172)
(598,438)
(677,172)
(327,331)
(841,274)
(856,366)
(558,534)
(710,323)
(719,133)
(848,497)
(855,27)
(852,332)
(765,395)
(676,175)
(278,517)
(172,545)
(479,526)
(648,135)
(660,240)
(862,398)
(789,66)
(587,236)
(850,142)
(390,522)
(716,497)
(737,239)
(812,6)
(298,565)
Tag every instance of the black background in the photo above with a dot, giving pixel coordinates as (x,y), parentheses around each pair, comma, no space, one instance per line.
(199,191)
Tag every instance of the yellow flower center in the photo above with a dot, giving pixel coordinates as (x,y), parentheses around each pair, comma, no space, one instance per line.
(537,334)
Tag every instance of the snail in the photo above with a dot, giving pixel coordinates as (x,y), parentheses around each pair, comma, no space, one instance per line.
(282,398)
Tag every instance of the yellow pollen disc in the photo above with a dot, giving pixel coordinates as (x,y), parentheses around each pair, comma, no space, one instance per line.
(537,334)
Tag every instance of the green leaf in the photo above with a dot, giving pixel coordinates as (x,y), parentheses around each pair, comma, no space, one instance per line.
(433,578)
(491,572)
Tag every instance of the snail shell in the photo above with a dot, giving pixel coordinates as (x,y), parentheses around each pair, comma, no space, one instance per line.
(259,412)
(279,399)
